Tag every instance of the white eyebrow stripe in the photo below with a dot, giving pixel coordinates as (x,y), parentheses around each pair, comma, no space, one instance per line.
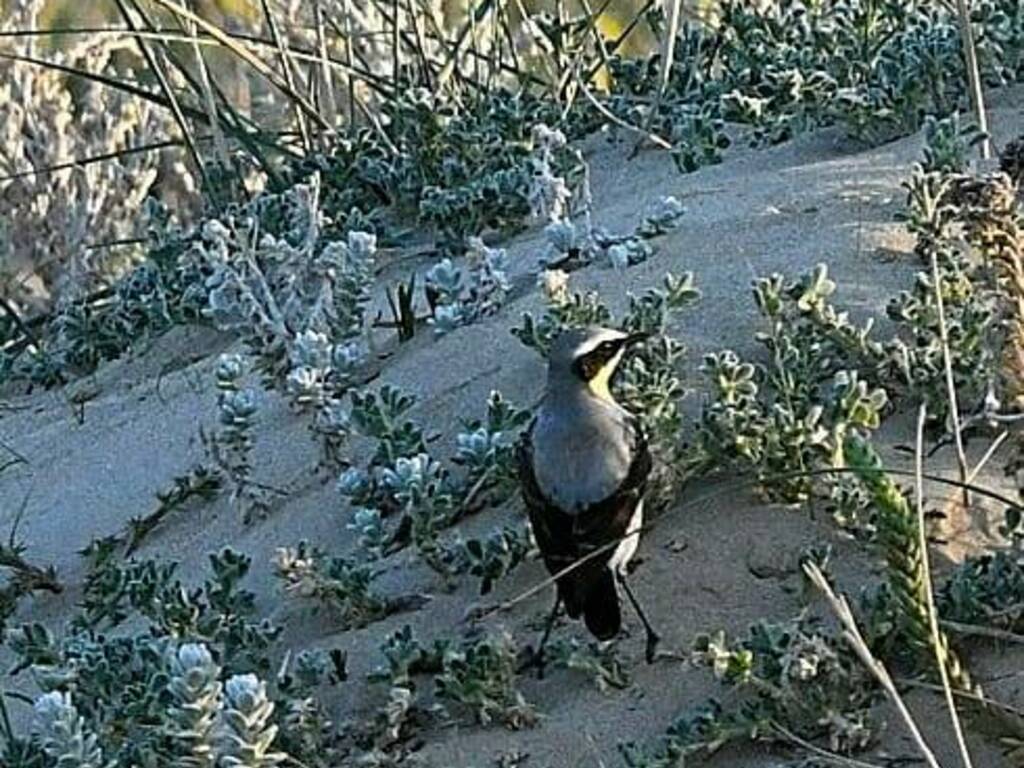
(589,345)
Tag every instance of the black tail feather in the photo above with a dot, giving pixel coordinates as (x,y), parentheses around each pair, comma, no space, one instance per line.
(601,607)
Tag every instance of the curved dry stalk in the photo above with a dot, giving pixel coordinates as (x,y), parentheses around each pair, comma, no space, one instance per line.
(938,638)
(824,754)
(613,118)
(852,635)
(726,490)
(248,57)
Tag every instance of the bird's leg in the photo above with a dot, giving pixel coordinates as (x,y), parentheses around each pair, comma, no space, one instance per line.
(652,637)
(538,655)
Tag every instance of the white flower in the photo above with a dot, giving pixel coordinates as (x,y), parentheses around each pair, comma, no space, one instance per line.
(555,284)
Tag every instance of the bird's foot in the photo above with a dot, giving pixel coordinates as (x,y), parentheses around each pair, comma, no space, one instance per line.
(651,650)
(535,659)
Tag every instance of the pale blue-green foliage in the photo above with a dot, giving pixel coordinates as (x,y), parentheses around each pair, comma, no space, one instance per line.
(574,244)
(878,67)
(154,696)
(248,735)
(947,143)
(196,693)
(986,590)
(371,536)
(295,297)
(458,297)
(492,558)
(784,67)
(485,449)
(354,483)
(63,733)
(401,476)
(383,416)
(661,217)
(429,498)
(600,664)
(412,480)
(231,445)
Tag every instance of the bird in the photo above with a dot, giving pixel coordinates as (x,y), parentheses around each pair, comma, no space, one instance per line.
(583,466)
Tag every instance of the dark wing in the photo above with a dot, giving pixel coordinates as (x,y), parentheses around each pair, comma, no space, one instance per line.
(563,538)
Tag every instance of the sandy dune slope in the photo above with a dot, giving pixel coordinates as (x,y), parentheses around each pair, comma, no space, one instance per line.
(723,562)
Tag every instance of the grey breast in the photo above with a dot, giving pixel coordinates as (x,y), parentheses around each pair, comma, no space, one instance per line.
(581,451)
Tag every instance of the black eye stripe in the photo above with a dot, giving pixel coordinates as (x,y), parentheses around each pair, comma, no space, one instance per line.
(589,364)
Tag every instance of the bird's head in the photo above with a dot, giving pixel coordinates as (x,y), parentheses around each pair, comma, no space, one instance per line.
(589,357)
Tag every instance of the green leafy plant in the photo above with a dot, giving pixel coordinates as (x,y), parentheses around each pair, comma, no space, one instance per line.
(793,413)
(480,676)
(200,482)
(601,665)
(341,585)
(794,676)
(230,447)
(152,671)
(985,590)
(904,631)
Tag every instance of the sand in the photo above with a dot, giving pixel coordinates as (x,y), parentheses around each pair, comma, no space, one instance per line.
(819,198)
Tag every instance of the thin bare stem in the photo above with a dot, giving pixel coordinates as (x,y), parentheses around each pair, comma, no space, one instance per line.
(977,630)
(988,455)
(326,75)
(856,641)
(248,57)
(954,409)
(613,118)
(938,640)
(286,70)
(220,145)
(974,76)
(817,751)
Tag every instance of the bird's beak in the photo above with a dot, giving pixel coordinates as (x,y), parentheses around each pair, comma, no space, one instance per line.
(635,339)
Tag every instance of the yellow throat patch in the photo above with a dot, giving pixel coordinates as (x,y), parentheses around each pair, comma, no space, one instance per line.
(598,384)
